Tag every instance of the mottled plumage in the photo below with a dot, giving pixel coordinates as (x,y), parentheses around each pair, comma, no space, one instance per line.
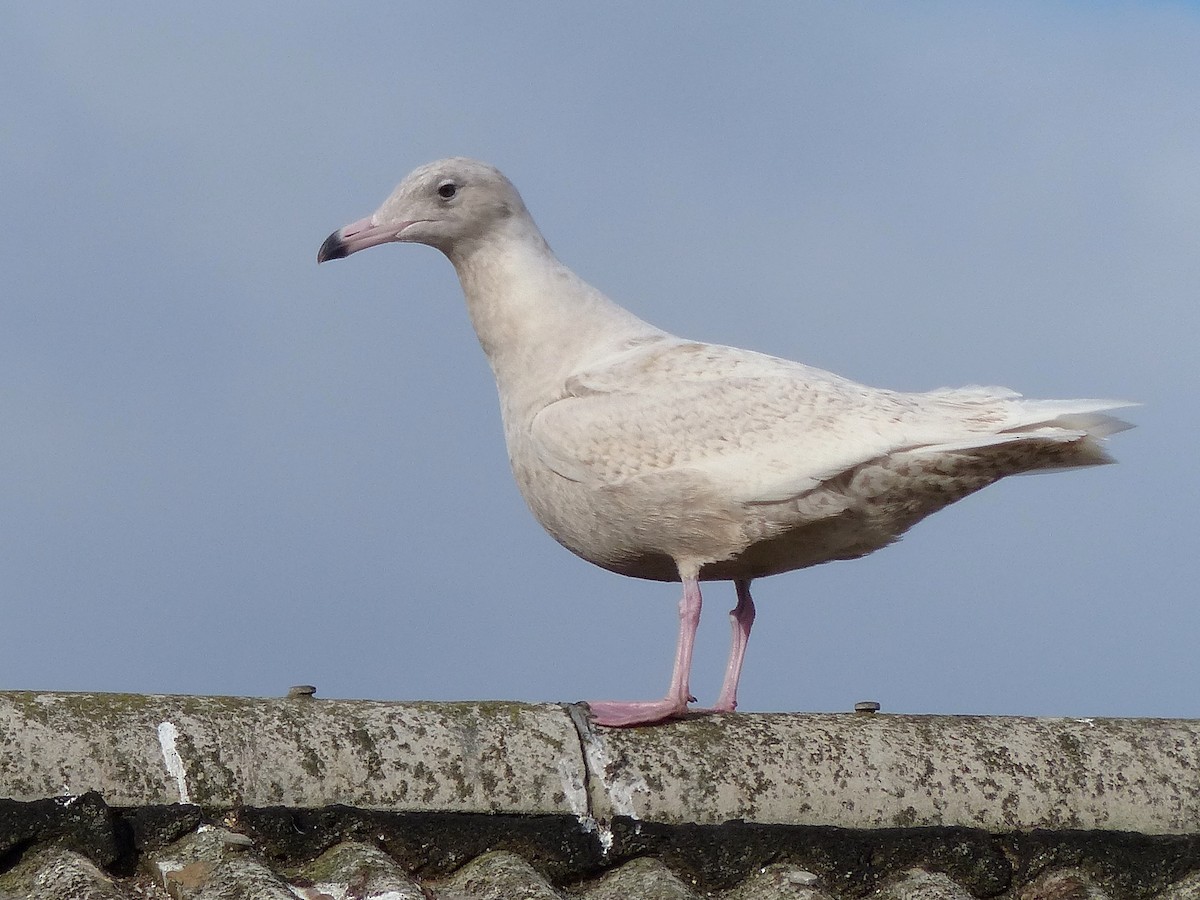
(668,459)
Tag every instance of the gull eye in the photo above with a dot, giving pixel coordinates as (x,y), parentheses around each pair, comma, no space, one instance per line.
(447,189)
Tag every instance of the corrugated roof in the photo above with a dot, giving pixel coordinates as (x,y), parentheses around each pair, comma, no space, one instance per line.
(214,862)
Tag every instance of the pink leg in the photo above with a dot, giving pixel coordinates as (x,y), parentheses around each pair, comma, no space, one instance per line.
(741,617)
(674,705)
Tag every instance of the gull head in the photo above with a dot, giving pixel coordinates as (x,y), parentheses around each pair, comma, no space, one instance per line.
(448,204)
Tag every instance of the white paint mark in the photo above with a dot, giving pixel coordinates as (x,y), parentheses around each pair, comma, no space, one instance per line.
(598,768)
(168,734)
(620,789)
(606,840)
(576,793)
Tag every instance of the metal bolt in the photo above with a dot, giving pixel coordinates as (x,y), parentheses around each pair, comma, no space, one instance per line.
(301,692)
(866,707)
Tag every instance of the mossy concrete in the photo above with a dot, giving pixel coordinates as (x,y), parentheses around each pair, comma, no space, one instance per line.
(225,752)
(998,774)
(885,771)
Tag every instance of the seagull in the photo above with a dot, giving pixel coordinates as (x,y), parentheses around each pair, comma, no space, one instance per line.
(662,458)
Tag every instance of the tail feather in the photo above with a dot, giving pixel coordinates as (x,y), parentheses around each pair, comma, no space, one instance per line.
(1088,416)
(1050,435)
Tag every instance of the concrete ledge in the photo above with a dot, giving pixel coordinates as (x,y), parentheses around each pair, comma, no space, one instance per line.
(849,771)
(225,752)
(887,771)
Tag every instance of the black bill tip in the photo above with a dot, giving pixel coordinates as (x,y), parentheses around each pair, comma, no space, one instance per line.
(333,248)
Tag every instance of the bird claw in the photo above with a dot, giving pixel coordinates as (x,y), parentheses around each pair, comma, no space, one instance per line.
(624,713)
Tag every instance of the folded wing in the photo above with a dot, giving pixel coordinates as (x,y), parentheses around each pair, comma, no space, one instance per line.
(765,429)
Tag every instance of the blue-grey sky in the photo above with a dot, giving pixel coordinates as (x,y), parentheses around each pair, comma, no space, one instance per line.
(225,470)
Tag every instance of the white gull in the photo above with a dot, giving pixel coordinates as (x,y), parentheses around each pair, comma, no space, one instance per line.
(668,459)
